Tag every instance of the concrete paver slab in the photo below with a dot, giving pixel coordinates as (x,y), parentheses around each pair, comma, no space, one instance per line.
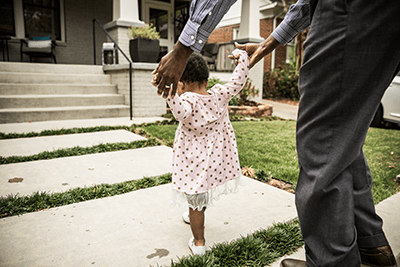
(66,124)
(284,111)
(134,229)
(35,145)
(57,175)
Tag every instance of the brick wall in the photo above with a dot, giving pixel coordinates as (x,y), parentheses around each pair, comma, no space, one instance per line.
(222,35)
(225,34)
(79,30)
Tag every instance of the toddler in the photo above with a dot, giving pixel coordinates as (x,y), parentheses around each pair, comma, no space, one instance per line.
(205,156)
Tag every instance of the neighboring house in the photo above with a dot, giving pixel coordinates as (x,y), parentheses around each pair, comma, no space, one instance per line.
(271,13)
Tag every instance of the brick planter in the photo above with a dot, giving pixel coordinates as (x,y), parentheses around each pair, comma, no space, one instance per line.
(255,111)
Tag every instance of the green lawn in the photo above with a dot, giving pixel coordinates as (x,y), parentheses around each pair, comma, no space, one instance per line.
(271,146)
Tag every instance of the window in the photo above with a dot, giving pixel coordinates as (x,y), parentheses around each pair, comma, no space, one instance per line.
(291,51)
(42,17)
(7,24)
(235,33)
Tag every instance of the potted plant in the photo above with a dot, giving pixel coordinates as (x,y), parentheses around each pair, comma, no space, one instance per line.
(144,45)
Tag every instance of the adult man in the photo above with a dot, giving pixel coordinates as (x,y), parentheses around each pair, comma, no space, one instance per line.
(351,55)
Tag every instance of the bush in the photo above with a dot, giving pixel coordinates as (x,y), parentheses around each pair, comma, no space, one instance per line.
(213,81)
(239,99)
(281,83)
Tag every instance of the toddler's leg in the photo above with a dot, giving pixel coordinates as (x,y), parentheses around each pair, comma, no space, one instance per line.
(197,226)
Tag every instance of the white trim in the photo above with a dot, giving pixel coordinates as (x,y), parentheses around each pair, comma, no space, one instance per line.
(19,19)
(169,7)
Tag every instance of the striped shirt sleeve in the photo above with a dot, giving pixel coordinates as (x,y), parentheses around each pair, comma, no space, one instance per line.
(204,16)
(296,20)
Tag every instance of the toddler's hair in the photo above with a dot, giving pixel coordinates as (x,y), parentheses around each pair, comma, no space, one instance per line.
(196,69)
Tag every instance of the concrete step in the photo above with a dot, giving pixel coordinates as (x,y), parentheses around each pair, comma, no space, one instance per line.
(49,68)
(62,113)
(42,78)
(56,89)
(45,101)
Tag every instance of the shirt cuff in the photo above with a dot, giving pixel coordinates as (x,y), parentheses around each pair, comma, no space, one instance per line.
(193,37)
(284,33)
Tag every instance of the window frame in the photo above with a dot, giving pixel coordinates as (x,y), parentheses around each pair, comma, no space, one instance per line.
(20,22)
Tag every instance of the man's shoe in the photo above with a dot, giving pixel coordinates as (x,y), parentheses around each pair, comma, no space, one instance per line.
(382,256)
(293,263)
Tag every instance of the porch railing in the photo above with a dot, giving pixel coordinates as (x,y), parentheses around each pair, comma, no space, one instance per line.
(122,52)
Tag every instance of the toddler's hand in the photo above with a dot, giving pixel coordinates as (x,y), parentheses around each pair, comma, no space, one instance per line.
(236,55)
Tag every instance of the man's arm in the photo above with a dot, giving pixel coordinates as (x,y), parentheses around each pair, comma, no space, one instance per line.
(296,20)
(204,17)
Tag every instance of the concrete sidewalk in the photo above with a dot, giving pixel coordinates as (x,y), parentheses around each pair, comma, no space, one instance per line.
(27,127)
(35,145)
(58,175)
(285,111)
(134,229)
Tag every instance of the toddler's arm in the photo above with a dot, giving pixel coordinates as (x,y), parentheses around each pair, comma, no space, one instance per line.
(181,108)
(239,76)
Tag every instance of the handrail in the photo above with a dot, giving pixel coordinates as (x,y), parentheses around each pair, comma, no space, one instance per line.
(122,52)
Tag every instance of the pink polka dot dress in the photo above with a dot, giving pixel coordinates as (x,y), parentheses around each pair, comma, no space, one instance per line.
(205,156)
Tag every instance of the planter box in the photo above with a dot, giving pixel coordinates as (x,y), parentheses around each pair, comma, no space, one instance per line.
(256,111)
(144,50)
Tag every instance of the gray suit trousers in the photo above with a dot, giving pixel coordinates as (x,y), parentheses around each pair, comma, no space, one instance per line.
(351,55)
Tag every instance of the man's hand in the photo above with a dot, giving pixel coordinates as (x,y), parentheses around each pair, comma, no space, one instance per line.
(170,69)
(257,51)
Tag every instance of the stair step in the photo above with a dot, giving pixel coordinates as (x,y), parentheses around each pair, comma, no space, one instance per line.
(62,113)
(42,78)
(59,89)
(49,68)
(44,101)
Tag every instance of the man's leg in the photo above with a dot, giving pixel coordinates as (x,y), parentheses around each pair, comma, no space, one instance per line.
(351,56)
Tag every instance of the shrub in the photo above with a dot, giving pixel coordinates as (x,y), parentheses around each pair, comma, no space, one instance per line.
(239,99)
(213,81)
(281,83)
(145,32)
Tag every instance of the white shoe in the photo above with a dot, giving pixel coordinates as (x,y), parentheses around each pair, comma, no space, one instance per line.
(196,250)
(185,217)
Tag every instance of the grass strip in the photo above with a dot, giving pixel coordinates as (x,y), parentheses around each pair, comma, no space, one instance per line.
(76,130)
(258,249)
(62,132)
(16,205)
(79,151)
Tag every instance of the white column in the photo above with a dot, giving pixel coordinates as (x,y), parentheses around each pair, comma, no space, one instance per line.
(250,22)
(125,14)
(249,32)
(126,10)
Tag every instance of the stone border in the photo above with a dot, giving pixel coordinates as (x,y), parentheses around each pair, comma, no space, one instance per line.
(261,110)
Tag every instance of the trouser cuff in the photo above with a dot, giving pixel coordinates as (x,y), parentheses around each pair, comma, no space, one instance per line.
(374,241)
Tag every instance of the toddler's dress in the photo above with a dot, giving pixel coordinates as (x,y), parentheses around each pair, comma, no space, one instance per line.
(205,156)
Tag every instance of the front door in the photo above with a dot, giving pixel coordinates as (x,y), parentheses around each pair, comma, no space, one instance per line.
(160,14)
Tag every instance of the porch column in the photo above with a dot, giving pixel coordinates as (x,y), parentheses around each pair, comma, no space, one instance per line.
(249,32)
(125,14)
